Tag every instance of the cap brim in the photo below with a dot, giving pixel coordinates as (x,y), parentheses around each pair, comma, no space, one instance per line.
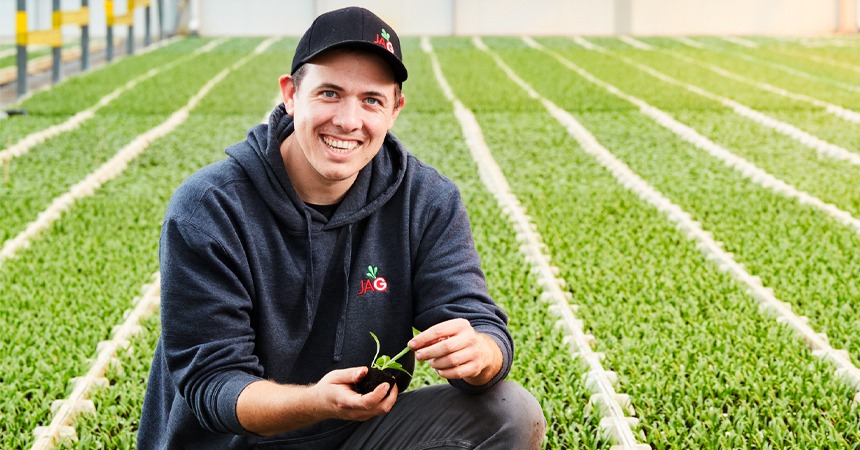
(395,63)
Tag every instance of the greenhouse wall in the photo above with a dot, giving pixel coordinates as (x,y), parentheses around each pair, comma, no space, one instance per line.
(479,17)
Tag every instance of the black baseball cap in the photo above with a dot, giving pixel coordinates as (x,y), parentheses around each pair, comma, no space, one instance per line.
(351,27)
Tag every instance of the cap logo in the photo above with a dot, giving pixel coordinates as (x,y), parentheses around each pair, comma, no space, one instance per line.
(383,41)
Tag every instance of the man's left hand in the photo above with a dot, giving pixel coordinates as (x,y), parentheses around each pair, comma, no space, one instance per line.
(456,351)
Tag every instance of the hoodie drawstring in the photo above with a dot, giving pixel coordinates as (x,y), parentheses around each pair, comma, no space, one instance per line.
(310,290)
(341,324)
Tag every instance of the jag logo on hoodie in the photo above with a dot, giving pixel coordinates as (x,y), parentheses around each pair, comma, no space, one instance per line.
(373,283)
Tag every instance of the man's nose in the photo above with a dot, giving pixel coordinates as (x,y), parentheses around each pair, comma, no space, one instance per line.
(348,115)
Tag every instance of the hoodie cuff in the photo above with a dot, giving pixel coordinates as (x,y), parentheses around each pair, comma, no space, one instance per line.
(507,361)
(228,397)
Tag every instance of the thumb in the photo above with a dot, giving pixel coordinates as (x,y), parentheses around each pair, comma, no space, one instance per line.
(349,375)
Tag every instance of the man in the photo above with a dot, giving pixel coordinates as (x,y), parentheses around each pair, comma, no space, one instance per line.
(278,263)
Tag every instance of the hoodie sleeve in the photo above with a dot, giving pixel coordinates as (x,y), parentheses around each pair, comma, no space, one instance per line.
(449,282)
(206,332)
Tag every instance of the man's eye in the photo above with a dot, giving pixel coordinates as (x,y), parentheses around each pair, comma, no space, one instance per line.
(329,94)
(373,101)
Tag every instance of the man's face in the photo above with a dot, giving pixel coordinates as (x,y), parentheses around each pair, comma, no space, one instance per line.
(343,107)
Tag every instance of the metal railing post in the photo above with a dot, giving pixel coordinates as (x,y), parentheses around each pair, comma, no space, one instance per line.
(110,20)
(57,47)
(85,40)
(21,41)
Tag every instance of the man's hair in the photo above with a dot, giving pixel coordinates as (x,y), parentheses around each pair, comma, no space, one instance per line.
(300,73)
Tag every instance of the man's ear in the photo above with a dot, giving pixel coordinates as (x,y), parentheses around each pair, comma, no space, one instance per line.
(397,109)
(288,92)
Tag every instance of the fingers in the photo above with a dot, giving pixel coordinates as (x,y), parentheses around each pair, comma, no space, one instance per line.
(346,376)
(439,332)
(453,348)
(445,340)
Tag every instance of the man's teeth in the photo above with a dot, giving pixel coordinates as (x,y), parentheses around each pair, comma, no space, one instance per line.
(340,145)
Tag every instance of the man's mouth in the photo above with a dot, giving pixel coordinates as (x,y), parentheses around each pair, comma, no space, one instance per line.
(338,145)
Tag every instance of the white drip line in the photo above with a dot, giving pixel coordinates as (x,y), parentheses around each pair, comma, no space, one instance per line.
(796,72)
(116,165)
(740,41)
(28,142)
(823,60)
(817,342)
(635,43)
(8,52)
(65,411)
(778,66)
(586,44)
(690,42)
(735,162)
(615,408)
(93,47)
(821,146)
(836,110)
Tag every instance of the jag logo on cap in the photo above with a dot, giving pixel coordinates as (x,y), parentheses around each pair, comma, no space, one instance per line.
(383,40)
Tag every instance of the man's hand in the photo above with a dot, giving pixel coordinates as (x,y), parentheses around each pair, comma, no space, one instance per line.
(268,408)
(336,389)
(456,351)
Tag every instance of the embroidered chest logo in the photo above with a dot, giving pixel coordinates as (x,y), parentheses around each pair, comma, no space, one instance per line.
(383,41)
(373,283)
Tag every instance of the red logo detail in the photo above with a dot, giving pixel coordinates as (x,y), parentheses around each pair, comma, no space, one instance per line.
(384,43)
(378,284)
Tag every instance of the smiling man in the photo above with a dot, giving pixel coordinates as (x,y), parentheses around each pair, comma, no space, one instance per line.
(319,229)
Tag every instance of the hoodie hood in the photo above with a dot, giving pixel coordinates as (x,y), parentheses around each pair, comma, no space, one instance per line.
(260,157)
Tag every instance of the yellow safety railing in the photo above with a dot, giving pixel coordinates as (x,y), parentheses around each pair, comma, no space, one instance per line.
(128,17)
(52,37)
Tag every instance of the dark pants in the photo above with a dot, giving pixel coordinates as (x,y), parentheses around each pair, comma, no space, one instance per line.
(442,417)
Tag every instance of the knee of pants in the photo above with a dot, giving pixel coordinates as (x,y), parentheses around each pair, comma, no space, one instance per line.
(517,408)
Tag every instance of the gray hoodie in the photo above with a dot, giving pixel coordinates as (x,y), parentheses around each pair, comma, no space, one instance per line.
(257,285)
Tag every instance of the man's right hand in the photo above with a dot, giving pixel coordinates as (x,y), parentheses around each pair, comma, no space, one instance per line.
(267,408)
(336,390)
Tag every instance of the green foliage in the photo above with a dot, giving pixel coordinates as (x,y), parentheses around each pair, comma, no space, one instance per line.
(386,362)
(703,368)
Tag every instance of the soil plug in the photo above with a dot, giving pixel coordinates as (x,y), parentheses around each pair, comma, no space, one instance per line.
(381,370)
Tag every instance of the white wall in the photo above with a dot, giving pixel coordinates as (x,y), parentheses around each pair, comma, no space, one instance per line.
(254,17)
(486,17)
(534,17)
(772,17)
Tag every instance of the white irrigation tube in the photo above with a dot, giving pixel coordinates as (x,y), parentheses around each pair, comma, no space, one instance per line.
(28,142)
(93,47)
(740,41)
(691,43)
(796,72)
(744,167)
(615,423)
(712,249)
(836,110)
(635,43)
(819,59)
(8,52)
(65,411)
(116,165)
(782,67)
(821,146)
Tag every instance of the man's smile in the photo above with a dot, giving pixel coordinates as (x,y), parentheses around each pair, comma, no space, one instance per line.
(338,145)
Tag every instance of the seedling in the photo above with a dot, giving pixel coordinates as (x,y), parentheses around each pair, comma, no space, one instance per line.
(385,362)
(381,368)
